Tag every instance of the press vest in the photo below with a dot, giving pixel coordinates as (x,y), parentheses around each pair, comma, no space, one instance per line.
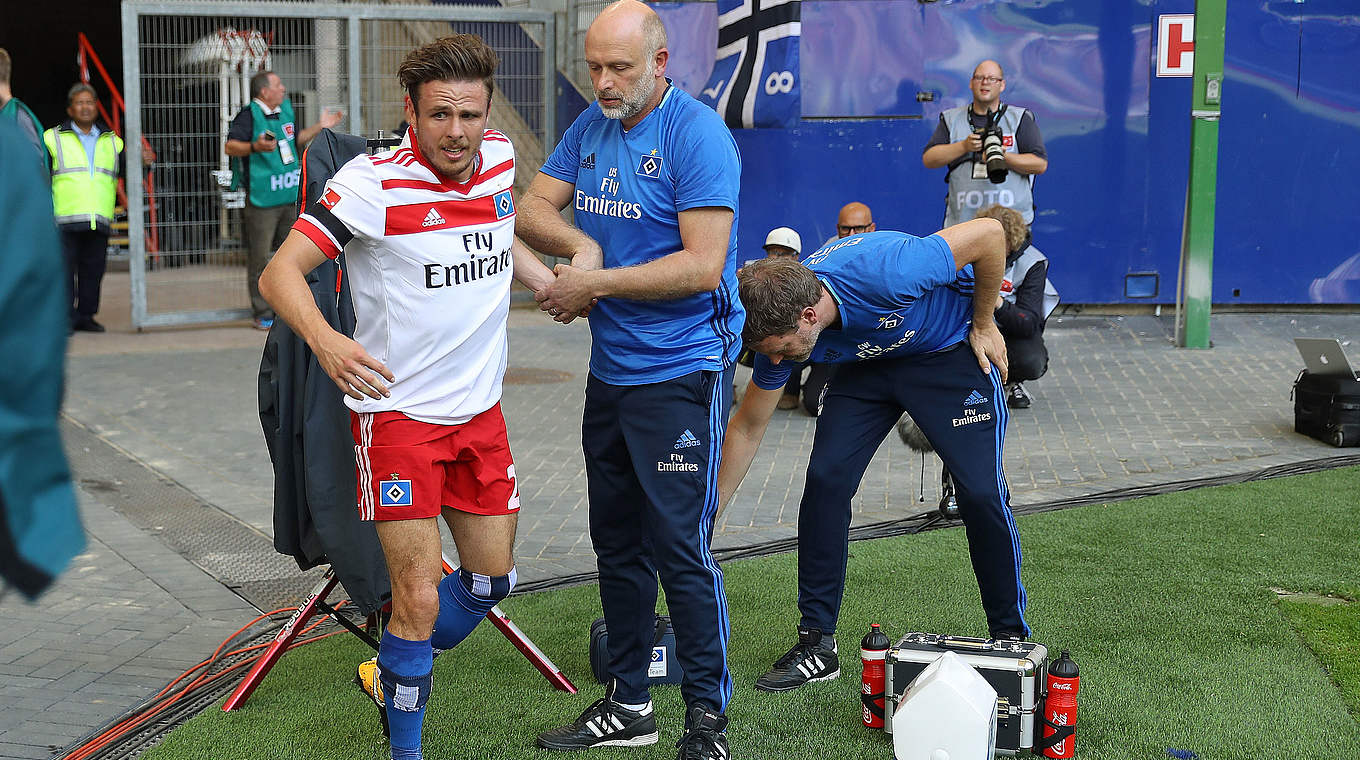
(967,195)
(80,196)
(272,182)
(1015,274)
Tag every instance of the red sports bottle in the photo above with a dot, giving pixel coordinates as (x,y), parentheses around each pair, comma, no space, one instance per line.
(1060,707)
(873,655)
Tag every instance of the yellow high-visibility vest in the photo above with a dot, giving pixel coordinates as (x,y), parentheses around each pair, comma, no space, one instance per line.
(81,195)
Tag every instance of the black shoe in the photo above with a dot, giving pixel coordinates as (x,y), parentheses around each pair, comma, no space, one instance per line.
(1009,636)
(1016,397)
(811,659)
(603,724)
(705,736)
(87,324)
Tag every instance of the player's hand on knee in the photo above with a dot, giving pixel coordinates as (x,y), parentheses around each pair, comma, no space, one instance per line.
(989,347)
(354,371)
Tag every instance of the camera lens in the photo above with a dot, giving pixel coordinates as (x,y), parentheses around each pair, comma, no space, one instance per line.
(994,154)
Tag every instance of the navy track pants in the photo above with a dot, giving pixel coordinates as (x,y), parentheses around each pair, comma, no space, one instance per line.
(652,474)
(963,413)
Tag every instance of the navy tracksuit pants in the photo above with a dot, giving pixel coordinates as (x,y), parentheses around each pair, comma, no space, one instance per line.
(652,475)
(963,413)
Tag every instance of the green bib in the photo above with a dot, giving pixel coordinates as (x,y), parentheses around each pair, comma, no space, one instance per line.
(272,182)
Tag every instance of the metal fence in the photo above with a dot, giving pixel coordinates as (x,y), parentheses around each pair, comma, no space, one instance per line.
(186,68)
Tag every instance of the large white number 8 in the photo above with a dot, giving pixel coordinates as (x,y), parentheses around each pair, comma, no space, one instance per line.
(779,81)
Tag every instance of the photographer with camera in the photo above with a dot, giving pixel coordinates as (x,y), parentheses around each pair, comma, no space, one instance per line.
(992,151)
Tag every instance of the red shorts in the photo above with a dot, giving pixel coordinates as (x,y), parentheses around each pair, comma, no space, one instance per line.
(408,469)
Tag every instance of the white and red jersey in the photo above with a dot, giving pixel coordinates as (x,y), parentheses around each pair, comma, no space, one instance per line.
(429,270)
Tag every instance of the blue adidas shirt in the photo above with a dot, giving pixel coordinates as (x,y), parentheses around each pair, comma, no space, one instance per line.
(630,187)
(897,294)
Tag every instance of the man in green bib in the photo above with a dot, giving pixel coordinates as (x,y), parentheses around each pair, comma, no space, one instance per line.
(268,146)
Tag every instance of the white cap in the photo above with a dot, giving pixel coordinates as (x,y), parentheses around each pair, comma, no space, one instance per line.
(786,237)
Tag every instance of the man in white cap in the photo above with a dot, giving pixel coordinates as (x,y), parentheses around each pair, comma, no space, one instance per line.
(783,241)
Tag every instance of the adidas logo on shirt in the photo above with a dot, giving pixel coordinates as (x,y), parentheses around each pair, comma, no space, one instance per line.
(975,399)
(588,162)
(686,440)
(432,219)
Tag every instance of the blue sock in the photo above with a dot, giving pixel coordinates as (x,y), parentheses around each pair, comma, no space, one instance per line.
(464,599)
(405,669)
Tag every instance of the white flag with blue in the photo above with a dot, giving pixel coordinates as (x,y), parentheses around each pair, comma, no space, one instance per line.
(755,77)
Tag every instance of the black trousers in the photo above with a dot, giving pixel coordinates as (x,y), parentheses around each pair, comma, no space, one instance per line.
(86,256)
(963,413)
(651,471)
(1027,357)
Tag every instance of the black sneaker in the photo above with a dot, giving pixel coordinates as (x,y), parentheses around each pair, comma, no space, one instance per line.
(603,724)
(705,736)
(1016,397)
(811,659)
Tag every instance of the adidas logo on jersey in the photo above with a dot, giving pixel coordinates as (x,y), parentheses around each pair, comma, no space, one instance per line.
(686,440)
(974,399)
(588,162)
(432,219)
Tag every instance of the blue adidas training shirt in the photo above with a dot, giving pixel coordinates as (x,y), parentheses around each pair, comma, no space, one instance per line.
(630,187)
(897,294)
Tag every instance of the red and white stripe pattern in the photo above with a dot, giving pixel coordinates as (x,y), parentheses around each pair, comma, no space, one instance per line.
(408,187)
(429,271)
(364,467)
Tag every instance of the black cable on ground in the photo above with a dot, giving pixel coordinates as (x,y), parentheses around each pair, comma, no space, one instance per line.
(929,521)
(215,678)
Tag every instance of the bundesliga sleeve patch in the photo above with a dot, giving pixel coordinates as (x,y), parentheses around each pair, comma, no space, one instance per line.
(394,493)
(330,199)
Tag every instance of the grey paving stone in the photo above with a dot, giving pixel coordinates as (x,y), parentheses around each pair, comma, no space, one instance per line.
(18,751)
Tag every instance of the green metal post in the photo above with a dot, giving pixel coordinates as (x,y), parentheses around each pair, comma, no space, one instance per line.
(1195,290)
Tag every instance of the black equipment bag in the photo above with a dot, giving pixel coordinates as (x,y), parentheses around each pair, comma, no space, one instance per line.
(662,666)
(1327,407)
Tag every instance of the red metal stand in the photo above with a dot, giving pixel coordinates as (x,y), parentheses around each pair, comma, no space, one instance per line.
(309,607)
(282,640)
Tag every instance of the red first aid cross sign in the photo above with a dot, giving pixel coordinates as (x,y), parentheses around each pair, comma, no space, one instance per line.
(1176,45)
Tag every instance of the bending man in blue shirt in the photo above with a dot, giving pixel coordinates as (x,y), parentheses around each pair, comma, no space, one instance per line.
(653,176)
(911,321)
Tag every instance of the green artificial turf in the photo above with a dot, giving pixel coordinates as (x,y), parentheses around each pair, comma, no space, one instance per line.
(1166,603)
(1331,628)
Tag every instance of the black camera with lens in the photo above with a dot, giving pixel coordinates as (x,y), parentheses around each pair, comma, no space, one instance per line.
(993,149)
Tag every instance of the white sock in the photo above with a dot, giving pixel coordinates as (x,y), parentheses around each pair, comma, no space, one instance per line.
(644,707)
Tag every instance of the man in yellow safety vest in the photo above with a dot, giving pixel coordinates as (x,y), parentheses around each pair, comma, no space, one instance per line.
(86,160)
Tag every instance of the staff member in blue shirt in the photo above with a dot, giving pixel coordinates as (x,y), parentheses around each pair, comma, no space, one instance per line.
(653,176)
(910,320)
